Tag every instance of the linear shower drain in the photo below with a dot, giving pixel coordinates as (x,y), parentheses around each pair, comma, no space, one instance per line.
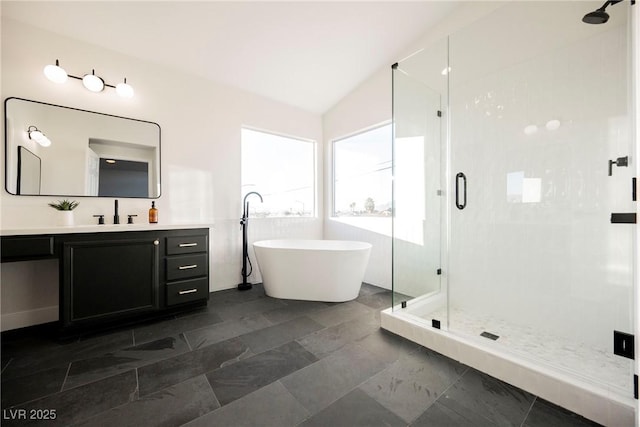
(490,335)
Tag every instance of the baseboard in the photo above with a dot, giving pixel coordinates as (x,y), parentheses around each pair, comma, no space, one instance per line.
(23,319)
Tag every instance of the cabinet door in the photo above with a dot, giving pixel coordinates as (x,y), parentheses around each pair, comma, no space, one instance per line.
(109,279)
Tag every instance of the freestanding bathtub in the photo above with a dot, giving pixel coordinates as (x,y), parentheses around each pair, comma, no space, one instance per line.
(312,270)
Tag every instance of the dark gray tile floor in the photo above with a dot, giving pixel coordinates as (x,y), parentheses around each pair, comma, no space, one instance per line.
(250,360)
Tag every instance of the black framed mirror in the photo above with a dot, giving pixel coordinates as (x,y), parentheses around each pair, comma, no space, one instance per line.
(85,153)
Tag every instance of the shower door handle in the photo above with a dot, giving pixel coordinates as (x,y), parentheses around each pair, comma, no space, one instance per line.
(464,191)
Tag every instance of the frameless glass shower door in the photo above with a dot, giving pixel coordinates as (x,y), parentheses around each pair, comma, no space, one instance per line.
(540,128)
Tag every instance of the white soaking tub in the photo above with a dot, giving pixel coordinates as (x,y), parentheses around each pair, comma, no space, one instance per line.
(312,270)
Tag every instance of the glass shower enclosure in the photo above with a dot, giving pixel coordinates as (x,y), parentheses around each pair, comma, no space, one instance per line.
(513,174)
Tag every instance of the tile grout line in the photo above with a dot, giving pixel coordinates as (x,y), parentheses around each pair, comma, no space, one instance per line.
(137,383)
(442,394)
(186,340)
(535,398)
(5,366)
(65,377)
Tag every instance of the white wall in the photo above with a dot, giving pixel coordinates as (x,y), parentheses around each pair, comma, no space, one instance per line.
(200,122)
(369,105)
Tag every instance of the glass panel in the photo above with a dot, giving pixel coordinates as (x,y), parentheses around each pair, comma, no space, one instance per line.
(417,92)
(539,107)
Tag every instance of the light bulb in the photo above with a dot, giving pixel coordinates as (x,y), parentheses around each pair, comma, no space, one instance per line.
(93,82)
(124,90)
(36,135)
(39,137)
(55,73)
(44,141)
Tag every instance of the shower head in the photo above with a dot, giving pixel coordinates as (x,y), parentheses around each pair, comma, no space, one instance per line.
(599,16)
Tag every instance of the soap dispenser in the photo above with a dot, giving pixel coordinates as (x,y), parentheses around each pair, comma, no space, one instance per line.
(153,214)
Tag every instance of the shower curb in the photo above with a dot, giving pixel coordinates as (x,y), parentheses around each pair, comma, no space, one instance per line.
(598,404)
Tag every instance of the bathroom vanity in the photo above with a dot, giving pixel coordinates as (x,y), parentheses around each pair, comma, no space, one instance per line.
(109,275)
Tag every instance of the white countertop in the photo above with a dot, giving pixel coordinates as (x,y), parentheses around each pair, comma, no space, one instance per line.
(97,228)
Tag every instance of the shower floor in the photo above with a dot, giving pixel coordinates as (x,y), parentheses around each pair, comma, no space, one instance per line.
(592,364)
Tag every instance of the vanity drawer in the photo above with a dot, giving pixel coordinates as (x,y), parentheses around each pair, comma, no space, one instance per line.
(184,267)
(186,244)
(26,247)
(187,290)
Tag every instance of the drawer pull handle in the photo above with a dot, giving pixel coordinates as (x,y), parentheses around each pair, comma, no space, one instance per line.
(188,267)
(188,291)
(187,245)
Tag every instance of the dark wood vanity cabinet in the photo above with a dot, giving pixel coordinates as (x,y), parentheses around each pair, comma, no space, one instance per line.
(108,278)
(186,268)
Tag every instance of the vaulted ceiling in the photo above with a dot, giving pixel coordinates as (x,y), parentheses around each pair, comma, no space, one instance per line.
(303,53)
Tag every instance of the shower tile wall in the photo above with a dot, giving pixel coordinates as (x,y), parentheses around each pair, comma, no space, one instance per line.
(534,246)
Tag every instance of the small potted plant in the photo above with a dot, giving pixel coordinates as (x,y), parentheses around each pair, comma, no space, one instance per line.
(65,207)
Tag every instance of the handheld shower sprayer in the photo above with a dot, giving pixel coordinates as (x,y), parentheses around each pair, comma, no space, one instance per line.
(244,223)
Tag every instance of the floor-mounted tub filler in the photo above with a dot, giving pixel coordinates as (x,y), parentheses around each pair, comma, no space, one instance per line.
(312,270)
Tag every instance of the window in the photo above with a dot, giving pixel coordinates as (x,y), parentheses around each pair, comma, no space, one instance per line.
(362,174)
(282,170)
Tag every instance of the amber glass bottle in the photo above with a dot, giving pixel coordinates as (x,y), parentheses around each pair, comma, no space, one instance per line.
(153,214)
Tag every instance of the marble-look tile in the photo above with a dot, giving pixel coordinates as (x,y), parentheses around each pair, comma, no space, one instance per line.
(339,313)
(208,335)
(269,406)
(355,409)
(326,341)
(325,381)
(36,385)
(292,310)
(273,336)
(545,414)
(43,352)
(164,373)
(439,415)
(174,326)
(479,395)
(388,346)
(233,296)
(235,381)
(415,381)
(378,300)
(172,406)
(78,404)
(94,368)
(255,306)
(368,289)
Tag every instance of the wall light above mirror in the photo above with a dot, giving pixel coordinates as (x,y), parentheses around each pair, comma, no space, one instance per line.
(79,162)
(91,82)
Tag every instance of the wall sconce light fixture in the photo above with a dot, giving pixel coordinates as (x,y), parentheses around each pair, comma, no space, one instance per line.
(94,83)
(37,136)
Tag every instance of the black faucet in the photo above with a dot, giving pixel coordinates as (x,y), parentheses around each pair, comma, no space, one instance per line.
(116,218)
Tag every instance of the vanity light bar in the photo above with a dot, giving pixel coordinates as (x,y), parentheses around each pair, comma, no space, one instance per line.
(94,83)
